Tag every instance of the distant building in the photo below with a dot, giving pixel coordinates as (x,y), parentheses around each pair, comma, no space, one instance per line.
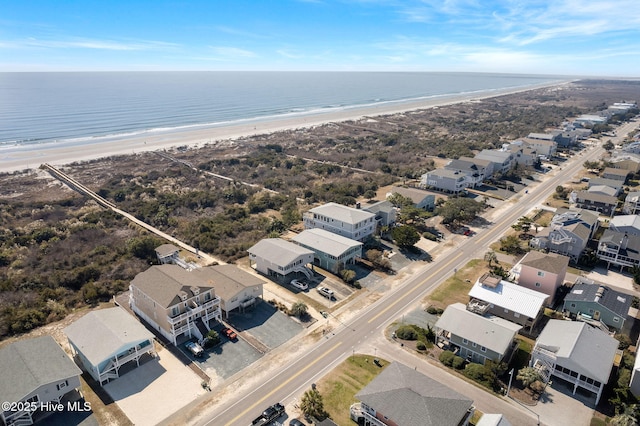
(474,174)
(446,180)
(386,214)
(601,203)
(615,174)
(589,120)
(401,396)
(598,302)
(167,253)
(544,147)
(504,160)
(355,224)
(332,252)
(420,198)
(34,371)
(613,183)
(541,272)
(485,167)
(627,161)
(632,203)
(275,257)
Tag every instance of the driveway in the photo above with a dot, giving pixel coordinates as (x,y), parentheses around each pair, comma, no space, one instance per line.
(266,324)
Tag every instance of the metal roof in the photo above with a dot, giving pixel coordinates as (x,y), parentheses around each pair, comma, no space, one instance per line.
(409,398)
(104,333)
(580,347)
(495,334)
(343,213)
(627,220)
(28,364)
(278,251)
(510,296)
(325,241)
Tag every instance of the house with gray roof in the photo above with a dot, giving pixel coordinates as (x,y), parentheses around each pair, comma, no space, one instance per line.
(356,224)
(280,259)
(495,296)
(332,252)
(175,301)
(576,353)
(504,160)
(451,181)
(475,337)
(568,233)
(541,272)
(105,340)
(385,212)
(603,189)
(34,372)
(598,302)
(589,120)
(167,253)
(612,173)
(628,223)
(616,184)
(421,199)
(237,289)
(601,203)
(485,167)
(401,396)
(619,248)
(474,174)
(543,147)
(631,203)
(626,160)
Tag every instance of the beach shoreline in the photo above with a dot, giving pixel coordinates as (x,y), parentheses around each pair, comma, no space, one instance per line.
(19,158)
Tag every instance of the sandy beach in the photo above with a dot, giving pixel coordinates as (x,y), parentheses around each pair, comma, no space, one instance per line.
(32,156)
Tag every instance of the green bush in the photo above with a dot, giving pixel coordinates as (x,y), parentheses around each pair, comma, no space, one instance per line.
(421,346)
(434,311)
(480,374)
(458,363)
(429,236)
(406,332)
(446,358)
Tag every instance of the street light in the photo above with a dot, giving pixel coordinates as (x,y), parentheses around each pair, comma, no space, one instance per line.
(510,379)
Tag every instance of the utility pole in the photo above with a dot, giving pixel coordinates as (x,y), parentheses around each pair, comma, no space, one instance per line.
(510,379)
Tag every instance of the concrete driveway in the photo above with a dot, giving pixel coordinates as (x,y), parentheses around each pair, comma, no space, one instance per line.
(266,324)
(155,390)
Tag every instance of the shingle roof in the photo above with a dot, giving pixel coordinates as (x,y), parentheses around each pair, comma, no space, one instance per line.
(28,364)
(615,239)
(613,300)
(580,347)
(446,173)
(548,262)
(510,296)
(495,334)
(101,334)
(616,172)
(627,220)
(325,241)
(278,251)
(603,189)
(166,250)
(597,197)
(606,182)
(416,195)
(409,398)
(343,213)
(568,216)
(229,280)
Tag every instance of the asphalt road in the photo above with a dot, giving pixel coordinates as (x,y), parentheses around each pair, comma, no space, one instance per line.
(297,376)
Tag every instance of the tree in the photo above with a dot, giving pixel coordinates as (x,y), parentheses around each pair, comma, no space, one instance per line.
(523,225)
(312,405)
(299,309)
(490,257)
(510,244)
(608,145)
(457,210)
(348,275)
(405,236)
(528,376)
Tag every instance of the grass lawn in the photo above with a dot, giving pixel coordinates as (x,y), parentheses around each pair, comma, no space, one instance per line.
(338,388)
(543,217)
(456,287)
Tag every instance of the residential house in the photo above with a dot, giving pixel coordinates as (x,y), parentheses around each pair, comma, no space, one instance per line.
(332,251)
(628,223)
(615,174)
(631,203)
(602,189)
(386,213)
(475,337)
(355,224)
(632,148)
(568,234)
(236,288)
(523,154)
(634,384)
(543,147)
(493,420)
(35,372)
(619,248)
(576,353)
(601,203)
(401,396)
(485,167)
(446,180)
(493,295)
(542,272)
(616,184)
(105,340)
(473,173)
(420,198)
(627,161)
(589,120)
(504,160)
(167,253)
(174,301)
(278,258)
(597,302)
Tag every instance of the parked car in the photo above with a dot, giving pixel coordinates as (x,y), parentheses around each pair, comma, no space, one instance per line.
(295,422)
(195,349)
(301,285)
(229,333)
(326,292)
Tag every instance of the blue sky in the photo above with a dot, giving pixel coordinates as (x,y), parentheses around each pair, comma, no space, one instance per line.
(570,37)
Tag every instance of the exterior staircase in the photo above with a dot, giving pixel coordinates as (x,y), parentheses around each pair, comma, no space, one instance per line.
(201,329)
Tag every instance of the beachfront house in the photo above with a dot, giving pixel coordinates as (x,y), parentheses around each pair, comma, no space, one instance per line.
(474,174)
(174,301)
(589,120)
(542,272)
(503,159)
(475,337)
(577,353)
(590,301)
(543,147)
(167,253)
(238,290)
(420,198)
(445,180)
(35,372)
(355,224)
(385,212)
(484,167)
(332,252)
(106,340)
(495,296)
(615,174)
(600,203)
(280,259)
(401,396)
(619,248)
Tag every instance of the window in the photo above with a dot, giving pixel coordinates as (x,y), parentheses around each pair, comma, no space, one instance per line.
(538,284)
(506,311)
(616,319)
(474,344)
(572,305)
(540,273)
(465,341)
(483,349)
(62,385)
(516,315)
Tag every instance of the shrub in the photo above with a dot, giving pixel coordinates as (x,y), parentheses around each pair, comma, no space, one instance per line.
(348,276)
(624,340)
(457,363)
(434,311)
(429,236)
(421,346)
(406,332)
(446,358)
(480,374)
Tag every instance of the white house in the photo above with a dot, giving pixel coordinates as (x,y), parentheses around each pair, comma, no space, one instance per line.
(352,223)
(275,257)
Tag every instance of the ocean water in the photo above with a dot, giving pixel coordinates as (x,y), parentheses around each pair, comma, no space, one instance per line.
(89,106)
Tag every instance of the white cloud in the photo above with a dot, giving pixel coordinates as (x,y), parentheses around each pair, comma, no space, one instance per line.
(232,52)
(83,43)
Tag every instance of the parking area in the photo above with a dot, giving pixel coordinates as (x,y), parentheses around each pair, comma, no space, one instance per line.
(266,324)
(158,388)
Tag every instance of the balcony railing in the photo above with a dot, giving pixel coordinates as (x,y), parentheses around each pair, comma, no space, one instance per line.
(210,305)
